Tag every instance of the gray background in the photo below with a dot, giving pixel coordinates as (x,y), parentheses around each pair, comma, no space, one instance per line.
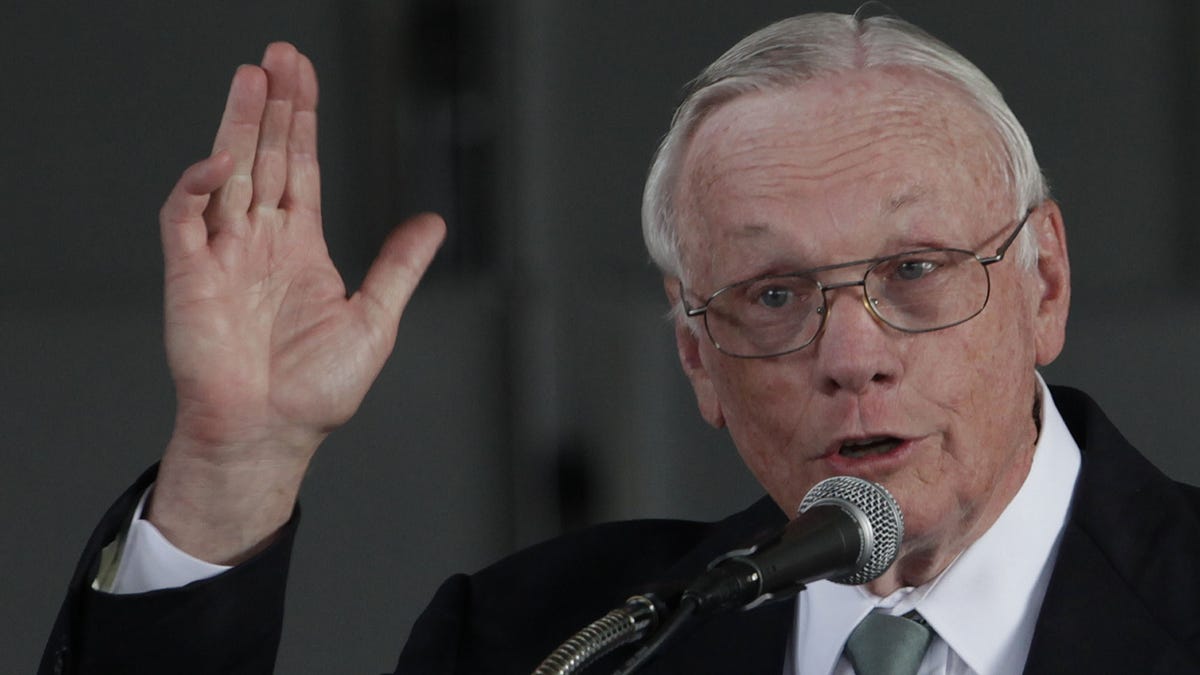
(534,386)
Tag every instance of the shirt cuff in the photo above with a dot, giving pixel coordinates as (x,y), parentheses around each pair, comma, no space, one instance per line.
(146,561)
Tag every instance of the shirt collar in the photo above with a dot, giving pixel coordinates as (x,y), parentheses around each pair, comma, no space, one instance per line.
(1005,572)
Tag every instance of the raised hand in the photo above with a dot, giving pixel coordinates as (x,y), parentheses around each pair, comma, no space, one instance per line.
(267,352)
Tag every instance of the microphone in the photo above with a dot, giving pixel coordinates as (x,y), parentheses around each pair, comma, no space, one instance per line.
(848,530)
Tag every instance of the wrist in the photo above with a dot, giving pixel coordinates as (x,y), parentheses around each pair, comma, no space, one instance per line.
(223,505)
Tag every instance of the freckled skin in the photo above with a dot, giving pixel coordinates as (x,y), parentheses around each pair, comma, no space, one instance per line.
(848,167)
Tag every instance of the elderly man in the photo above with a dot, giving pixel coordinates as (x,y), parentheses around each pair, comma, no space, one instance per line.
(866,269)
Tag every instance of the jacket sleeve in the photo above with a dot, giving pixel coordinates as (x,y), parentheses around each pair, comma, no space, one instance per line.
(433,647)
(230,623)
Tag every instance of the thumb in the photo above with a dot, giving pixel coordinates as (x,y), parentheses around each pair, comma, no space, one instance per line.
(398,268)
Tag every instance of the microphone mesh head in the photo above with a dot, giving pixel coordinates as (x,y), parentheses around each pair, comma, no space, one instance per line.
(881,522)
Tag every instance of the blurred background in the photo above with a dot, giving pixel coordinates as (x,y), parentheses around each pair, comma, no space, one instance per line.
(535,386)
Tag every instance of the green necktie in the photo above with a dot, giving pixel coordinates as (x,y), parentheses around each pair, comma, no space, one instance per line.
(888,645)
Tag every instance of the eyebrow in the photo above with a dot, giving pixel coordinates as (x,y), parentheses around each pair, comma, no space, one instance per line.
(889,207)
(751,230)
(904,197)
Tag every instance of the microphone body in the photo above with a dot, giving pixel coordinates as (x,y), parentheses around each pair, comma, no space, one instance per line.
(848,530)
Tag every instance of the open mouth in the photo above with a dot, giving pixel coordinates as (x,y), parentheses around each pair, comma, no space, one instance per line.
(867,447)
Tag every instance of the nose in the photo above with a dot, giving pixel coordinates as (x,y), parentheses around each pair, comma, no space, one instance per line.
(855,351)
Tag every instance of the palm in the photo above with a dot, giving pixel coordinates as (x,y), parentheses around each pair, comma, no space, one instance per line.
(261,337)
(267,352)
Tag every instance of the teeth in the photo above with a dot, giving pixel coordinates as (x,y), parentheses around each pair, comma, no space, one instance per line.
(868,446)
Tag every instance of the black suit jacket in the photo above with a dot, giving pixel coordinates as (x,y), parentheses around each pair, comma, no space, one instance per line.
(1124,596)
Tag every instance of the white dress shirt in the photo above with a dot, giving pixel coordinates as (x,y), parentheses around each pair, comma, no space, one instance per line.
(984,606)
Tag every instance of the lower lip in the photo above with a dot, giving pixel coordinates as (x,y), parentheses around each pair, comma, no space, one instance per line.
(884,462)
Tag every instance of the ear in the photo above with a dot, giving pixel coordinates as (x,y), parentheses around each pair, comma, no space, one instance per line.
(688,342)
(1054,276)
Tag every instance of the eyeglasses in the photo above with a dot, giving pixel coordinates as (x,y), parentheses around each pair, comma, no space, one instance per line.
(914,292)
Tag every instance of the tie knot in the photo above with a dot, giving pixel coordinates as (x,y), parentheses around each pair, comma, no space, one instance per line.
(882,644)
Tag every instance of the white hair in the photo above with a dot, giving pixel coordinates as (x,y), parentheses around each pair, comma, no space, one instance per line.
(793,51)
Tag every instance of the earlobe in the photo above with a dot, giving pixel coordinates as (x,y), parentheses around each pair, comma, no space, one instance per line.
(687,342)
(1054,274)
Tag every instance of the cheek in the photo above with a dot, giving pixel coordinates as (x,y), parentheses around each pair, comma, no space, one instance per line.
(761,398)
(985,393)
(765,404)
(984,359)
(965,387)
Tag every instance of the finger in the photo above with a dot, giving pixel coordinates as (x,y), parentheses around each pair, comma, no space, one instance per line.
(183,229)
(270,161)
(238,135)
(303,191)
(394,275)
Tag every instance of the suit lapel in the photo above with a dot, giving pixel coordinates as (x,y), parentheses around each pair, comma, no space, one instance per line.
(1125,590)
(1092,621)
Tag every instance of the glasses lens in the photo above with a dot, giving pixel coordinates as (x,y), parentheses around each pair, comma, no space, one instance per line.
(765,317)
(927,290)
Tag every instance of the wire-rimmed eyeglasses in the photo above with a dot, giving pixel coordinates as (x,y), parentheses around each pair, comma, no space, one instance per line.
(914,292)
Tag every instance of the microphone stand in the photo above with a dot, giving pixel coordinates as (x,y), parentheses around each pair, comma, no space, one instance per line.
(623,625)
(687,607)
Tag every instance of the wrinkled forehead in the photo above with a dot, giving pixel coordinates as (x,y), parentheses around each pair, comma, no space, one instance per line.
(847,166)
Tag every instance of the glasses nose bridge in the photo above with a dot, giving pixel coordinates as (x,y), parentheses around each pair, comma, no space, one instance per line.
(850,277)
(845,284)
(850,283)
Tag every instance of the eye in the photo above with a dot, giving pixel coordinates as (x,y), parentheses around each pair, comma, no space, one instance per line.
(774,297)
(769,298)
(913,269)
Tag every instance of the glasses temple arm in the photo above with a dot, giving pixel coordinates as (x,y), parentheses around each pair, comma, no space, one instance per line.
(1003,248)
